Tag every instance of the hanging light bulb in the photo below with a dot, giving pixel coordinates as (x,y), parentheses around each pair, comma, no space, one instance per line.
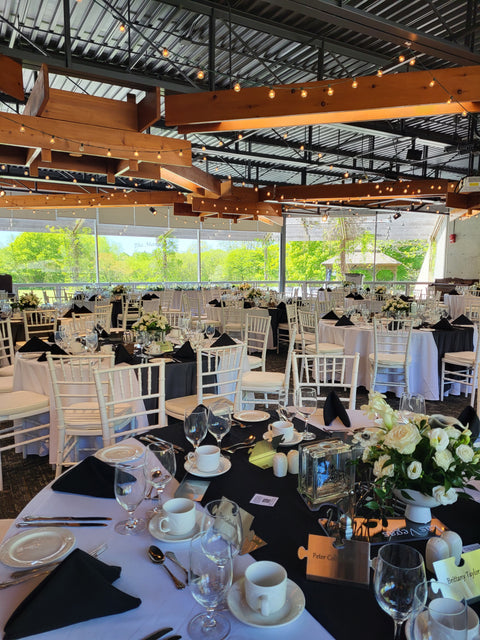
(200,74)
(220,143)
(240,136)
(302,147)
(346,174)
(412,61)
(464,113)
(379,73)
(159,156)
(432,82)
(325,217)
(135,153)
(271,93)
(109,153)
(165,52)
(122,27)
(237,87)
(401,58)
(354,83)
(330,91)
(52,140)
(285,135)
(22,128)
(303,93)
(320,155)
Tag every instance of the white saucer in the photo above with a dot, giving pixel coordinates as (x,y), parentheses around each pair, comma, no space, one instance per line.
(225,466)
(297,437)
(36,547)
(293,607)
(251,416)
(120,452)
(169,537)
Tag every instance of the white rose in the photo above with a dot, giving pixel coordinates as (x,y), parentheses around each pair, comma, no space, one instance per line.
(414,470)
(380,471)
(444,497)
(444,459)
(403,438)
(368,436)
(438,439)
(452,433)
(465,453)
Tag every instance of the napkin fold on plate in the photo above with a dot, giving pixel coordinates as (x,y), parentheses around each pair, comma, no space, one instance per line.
(224,341)
(469,419)
(334,408)
(79,589)
(90,477)
(185,352)
(344,321)
(350,295)
(281,305)
(34,345)
(55,350)
(443,325)
(331,315)
(462,319)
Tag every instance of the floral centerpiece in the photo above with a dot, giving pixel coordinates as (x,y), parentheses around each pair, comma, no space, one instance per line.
(394,306)
(118,289)
(253,293)
(244,287)
(425,461)
(152,322)
(380,290)
(28,301)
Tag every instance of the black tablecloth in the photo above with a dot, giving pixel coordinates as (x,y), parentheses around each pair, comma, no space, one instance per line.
(460,339)
(347,612)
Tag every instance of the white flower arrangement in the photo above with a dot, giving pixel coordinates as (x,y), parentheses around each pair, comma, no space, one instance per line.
(380,290)
(152,322)
(28,300)
(253,293)
(119,289)
(244,286)
(396,305)
(416,455)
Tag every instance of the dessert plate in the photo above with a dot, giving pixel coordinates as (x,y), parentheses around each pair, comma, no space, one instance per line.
(251,416)
(297,437)
(37,547)
(225,465)
(120,452)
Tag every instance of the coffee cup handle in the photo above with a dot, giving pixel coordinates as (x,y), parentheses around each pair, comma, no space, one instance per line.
(162,528)
(269,429)
(191,457)
(264,606)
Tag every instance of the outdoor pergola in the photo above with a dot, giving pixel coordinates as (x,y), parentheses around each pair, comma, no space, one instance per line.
(368,260)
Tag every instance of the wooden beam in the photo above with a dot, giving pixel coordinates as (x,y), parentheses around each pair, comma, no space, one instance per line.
(235,207)
(30,131)
(46,156)
(11,80)
(69,201)
(31,155)
(401,95)
(39,94)
(148,110)
(46,187)
(194,179)
(463,200)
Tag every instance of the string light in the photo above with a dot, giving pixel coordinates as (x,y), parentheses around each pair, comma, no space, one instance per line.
(325,217)
(464,113)
(52,140)
(303,93)
(330,91)
(432,82)
(22,128)
(302,147)
(165,52)
(240,136)
(379,73)
(159,156)
(237,87)
(354,83)
(401,58)
(346,174)
(180,153)
(135,153)
(285,135)
(271,93)
(109,153)
(81,147)
(320,155)
(122,27)
(200,74)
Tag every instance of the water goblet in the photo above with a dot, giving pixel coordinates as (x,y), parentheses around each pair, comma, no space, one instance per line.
(219,419)
(210,331)
(91,341)
(60,338)
(306,406)
(160,468)
(399,570)
(129,493)
(411,403)
(209,583)
(195,425)
(223,531)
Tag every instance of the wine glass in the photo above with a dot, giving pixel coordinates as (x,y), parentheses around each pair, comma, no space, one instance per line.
(60,339)
(223,531)
(398,571)
(195,425)
(130,492)
(91,341)
(219,419)
(210,331)
(306,405)
(437,613)
(286,409)
(160,468)
(411,403)
(209,583)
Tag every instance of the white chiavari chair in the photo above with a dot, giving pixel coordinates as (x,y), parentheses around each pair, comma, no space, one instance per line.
(391,357)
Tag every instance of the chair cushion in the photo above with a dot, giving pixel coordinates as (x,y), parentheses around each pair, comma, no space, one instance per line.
(262,381)
(87,414)
(176,407)
(389,359)
(6,384)
(6,371)
(325,347)
(23,403)
(254,362)
(460,357)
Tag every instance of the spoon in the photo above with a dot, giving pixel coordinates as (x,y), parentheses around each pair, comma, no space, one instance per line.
(171,556)
(247,441)
(157,556)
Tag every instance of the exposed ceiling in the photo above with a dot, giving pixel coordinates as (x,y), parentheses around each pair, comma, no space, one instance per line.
(113,48)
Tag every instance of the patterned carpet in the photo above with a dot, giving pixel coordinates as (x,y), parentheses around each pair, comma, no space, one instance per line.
(23,478)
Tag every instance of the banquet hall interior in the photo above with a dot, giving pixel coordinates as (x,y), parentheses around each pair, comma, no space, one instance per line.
(318,164)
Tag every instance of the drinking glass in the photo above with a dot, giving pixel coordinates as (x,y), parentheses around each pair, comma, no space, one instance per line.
(219,419)
(60,339)
(411,403)
(209,583)
(130,492)
(399,570)
(223,531)
(91,341)
(195,425)
(160,468)
(437,613)
(306,405)
(286,409)
(210,331)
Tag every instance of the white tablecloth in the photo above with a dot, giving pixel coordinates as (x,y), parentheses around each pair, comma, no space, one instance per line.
(423,370)
(162,605)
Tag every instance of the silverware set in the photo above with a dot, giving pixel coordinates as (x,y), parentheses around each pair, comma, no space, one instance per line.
(161,632)
(150,439)
(62,521)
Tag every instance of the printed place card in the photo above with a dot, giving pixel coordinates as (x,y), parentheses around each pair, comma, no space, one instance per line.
(264,501)
(464,579)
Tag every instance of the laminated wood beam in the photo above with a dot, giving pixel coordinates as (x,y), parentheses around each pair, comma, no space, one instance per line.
(194,179)
(224,206)
(11,81)
(69,201)
(400,95)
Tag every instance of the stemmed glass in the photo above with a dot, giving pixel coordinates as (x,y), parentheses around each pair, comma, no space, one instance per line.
(398,571)
(130,492)
(210,331)
(60,338)
(411,403)
(209,583)
(219,419)
(223,531)
(195,425)
(286,409)
(160,468)
(91,341)
(306,406)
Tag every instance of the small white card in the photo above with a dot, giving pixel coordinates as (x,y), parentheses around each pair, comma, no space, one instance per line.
(265,501)
(464,579)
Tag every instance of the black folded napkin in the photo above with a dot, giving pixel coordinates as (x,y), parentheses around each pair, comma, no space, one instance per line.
(281,305)
(122,356)
(185,352)
(84,310)
(350,295)
(357,296)
(462,319)
(469,419)
(33,345)
(76,308)
(79,589)
(423,325)
(154,296)
(147,296)
(102,333)
(344,322)
(54,350)
(321,289)
(224,341)
(92,298)
(247,305)
(453,292)
(406,298)
(331,315)
(68,314)
(328,289)
(443,325)
(213,302)
(91,477)
(220,304)
(334,408)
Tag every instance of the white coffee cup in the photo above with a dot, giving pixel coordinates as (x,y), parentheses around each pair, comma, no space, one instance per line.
(179,516)
(447,619)
(205,458)
(282,428)
(265,587)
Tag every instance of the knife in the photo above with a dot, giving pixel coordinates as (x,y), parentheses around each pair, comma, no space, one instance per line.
(158,634)
(60,524)
(70,518)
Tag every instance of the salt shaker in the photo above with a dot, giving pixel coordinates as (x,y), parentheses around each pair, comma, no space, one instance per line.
(280,465)
(292,458)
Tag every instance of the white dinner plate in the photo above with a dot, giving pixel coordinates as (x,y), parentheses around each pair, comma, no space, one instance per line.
(169,537)
(225,465)
(120,452)
(30,355)
(297,437)
(293,607)
(251,416)
(36,547)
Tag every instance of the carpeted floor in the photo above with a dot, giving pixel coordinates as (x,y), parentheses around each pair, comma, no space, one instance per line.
(23,478)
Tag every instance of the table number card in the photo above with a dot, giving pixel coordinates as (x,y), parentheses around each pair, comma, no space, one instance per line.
(465,578)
